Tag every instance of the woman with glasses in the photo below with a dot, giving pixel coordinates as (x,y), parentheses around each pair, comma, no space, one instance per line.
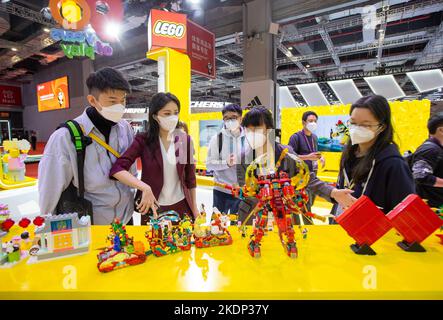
(371,163)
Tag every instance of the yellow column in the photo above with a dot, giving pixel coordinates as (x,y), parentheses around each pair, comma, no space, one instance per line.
(174,69)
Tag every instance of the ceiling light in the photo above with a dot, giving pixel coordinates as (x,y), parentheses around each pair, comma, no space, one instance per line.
(14,49)
(307,66)
(113,29)
(47,30)
(194,1)
(291,48)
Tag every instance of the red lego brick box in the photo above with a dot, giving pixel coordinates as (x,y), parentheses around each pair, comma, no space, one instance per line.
(364,222)
(414,219)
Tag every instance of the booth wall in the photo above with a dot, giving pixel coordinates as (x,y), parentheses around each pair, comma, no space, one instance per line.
(44,123)
(409,119)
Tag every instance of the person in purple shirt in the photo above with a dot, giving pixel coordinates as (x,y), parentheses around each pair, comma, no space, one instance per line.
(304,143)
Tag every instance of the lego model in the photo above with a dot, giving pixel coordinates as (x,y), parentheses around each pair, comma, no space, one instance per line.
(12,164)
(165,238)
(214,234)
(60,236)
(279,194)
(19,245)
(4,212)
(365,223)
(123,251)
(439,212)
(415,221)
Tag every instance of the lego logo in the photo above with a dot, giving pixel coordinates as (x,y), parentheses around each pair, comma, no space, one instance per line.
(169,29)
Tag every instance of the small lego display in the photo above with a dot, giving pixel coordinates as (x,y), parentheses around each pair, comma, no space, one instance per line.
(415,221)
(123,251)
(439,213)
(4,212)
(216,234)
(60,236)
(13,160)
(365,223)
(165,238)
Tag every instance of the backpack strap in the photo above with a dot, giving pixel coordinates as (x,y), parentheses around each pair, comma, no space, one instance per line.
(80,142)
(220,144)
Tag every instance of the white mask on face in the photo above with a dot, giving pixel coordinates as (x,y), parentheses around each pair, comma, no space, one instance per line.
(360,135)
(255,139)
(311,126)
(113,113)
(168,123)
(232,125)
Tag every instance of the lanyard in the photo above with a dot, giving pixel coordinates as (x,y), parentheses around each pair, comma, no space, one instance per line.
(350,184)
(310,145)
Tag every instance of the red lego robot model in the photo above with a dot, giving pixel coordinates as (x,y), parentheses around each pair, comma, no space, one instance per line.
(276,193)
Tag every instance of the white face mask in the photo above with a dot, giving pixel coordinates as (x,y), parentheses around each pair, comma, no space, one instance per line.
(113,113)
(360,135)
(232,125)
(168,123)
(311,126)
(255,139)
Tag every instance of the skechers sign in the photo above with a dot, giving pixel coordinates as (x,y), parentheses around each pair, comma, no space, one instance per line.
(167,29)
(81,43)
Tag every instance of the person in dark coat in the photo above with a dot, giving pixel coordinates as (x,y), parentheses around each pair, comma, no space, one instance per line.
(427,168)
(371,163)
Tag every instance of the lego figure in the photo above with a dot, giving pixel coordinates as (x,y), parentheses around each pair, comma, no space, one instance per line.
(276,193)
(14,160)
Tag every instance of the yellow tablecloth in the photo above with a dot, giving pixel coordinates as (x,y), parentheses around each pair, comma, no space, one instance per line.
(325,269)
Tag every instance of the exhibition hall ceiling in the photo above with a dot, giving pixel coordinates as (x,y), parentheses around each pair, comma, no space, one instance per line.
(318,41)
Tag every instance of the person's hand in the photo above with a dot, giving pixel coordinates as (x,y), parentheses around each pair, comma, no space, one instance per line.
(231,160)
(314,156)
(322,161)
(343,197)
(147,202)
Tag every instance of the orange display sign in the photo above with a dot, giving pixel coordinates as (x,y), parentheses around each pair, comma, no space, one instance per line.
(167,29)
(53,95)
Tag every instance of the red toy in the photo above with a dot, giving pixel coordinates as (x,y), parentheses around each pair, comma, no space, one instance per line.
(276,193)
(364,222)
(415,221)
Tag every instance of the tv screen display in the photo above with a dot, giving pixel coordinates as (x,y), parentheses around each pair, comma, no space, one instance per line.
(53,95)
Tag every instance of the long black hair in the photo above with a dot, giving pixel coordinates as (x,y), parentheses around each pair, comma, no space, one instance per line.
(381,110)
(158,102)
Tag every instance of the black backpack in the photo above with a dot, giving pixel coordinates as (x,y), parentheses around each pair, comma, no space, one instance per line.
(71,199)
(409,158)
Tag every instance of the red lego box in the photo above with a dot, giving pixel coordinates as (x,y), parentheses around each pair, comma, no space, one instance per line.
(364,222)
(414,220)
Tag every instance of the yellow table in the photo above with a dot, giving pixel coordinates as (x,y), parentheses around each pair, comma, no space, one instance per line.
(325,269)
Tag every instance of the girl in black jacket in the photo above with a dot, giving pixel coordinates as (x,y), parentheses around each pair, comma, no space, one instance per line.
(371,164)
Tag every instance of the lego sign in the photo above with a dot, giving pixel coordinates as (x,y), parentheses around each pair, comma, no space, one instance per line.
(10,95)
(167,29)
(201,50)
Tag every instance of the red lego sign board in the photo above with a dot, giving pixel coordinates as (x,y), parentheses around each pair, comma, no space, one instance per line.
(414,219)
(10,96)
(167,29)
(201,50)
(364,222)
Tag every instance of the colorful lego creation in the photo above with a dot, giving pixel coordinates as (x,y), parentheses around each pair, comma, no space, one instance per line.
(214,233)
(60,236)
(164,237)
(439,213)
(12,164)
(123,251)
(415,221)
(365,223)
(276,193)
(19,244)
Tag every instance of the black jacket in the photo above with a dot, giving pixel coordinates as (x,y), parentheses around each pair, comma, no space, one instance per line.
(426,168)
(391,180)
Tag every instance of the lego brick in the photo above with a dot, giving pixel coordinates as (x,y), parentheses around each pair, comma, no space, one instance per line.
(414,219)
(364,222)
